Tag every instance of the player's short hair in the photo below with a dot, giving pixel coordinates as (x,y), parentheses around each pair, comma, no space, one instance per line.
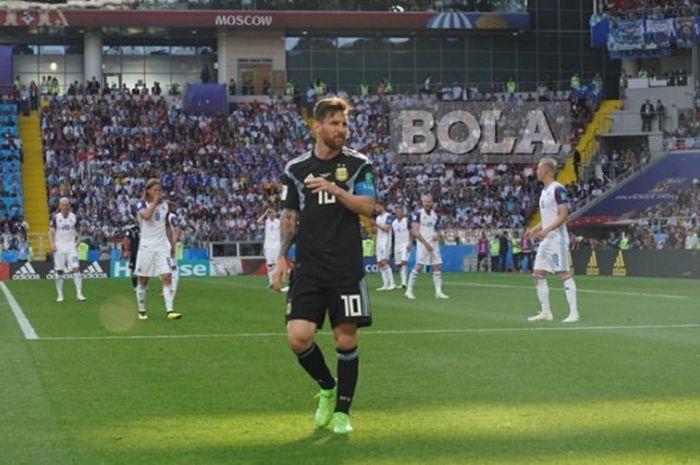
(549,162)
(328,106)
(64,199)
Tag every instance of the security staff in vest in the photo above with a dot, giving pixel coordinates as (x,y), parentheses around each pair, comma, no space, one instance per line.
(495,253)
(624,243)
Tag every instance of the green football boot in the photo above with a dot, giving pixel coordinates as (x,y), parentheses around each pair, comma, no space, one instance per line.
(326,405)
(341,423)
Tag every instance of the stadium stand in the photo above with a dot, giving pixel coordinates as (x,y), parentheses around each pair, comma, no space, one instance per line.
(221,173)
(649,8)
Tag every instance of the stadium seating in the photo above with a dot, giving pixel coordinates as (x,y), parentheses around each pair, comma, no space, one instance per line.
(221,173)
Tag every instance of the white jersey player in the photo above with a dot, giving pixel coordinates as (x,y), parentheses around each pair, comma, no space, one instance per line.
(155,248)
(425,229)
(176,231)
(383,247)
(402,243)
(64,238)
(552,253)
(271,244)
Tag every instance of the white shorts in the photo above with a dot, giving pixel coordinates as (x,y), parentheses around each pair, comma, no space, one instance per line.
(552,256)
(423,257)
(65,261)
(271,253)
(401,253)
(383,252)
(152,263)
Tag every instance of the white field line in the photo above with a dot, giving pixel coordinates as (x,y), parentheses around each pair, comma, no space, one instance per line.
(368,332)
(588,291)
(21,318)
(233,283)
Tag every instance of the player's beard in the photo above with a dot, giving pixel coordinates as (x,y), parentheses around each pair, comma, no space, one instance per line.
(334,143)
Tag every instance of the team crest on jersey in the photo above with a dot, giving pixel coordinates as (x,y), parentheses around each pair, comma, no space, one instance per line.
(341,173)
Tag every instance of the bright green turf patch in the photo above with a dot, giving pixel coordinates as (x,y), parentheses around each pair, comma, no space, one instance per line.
(231,392)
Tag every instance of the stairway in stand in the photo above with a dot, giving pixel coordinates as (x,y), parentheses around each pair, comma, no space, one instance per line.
(36,207)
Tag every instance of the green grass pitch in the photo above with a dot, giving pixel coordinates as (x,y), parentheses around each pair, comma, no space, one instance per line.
(463,381)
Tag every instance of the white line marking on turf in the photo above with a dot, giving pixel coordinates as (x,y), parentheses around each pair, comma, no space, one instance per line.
(24,323)
(378,332)
(590,291)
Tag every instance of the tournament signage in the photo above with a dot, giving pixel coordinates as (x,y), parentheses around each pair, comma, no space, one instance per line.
(651,263)
(44,270)
(381,20)
(186,268)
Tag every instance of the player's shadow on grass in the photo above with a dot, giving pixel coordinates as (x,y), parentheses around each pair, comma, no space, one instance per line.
(322,436)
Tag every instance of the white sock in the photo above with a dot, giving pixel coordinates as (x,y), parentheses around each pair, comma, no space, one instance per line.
(404,274)
(383,275)
(570,291)
(543,294)
(168,297)
(270,272)
(389,276)
(59,284)
(175,278)
(412,279)
(437,281)
(78,280)
(141,297)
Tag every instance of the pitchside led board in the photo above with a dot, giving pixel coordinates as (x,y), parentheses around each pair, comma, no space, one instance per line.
(486,132)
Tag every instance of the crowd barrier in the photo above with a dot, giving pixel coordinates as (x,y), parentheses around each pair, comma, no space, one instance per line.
(642,263)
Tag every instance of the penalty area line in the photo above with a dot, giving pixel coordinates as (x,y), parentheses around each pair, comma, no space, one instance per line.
(378,332)
(21,318)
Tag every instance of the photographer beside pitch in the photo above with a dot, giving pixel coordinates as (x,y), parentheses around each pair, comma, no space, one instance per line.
(324,191)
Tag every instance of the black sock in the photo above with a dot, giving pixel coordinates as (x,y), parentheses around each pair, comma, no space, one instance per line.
(348,366)
(313,362)
(134,281)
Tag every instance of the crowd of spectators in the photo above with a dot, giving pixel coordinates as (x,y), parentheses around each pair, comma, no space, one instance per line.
(215,171)
(221,173)
(649,8)
(672,225)
(13,228)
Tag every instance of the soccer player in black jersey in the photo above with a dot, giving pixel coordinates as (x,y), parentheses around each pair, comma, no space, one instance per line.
(323,192)
(133,235)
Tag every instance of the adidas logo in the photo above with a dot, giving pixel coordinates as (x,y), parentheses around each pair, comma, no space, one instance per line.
(592,267)
(94,271)
(619,268)
(26,272)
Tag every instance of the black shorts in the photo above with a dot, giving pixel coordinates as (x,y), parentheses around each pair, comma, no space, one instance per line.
(307,301)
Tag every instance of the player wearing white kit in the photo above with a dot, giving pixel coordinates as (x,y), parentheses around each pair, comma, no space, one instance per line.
(271,246)
(64,238)
(383,247)
(552,253)
(402,243)
(176,231)
(425,230)
(155,246)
